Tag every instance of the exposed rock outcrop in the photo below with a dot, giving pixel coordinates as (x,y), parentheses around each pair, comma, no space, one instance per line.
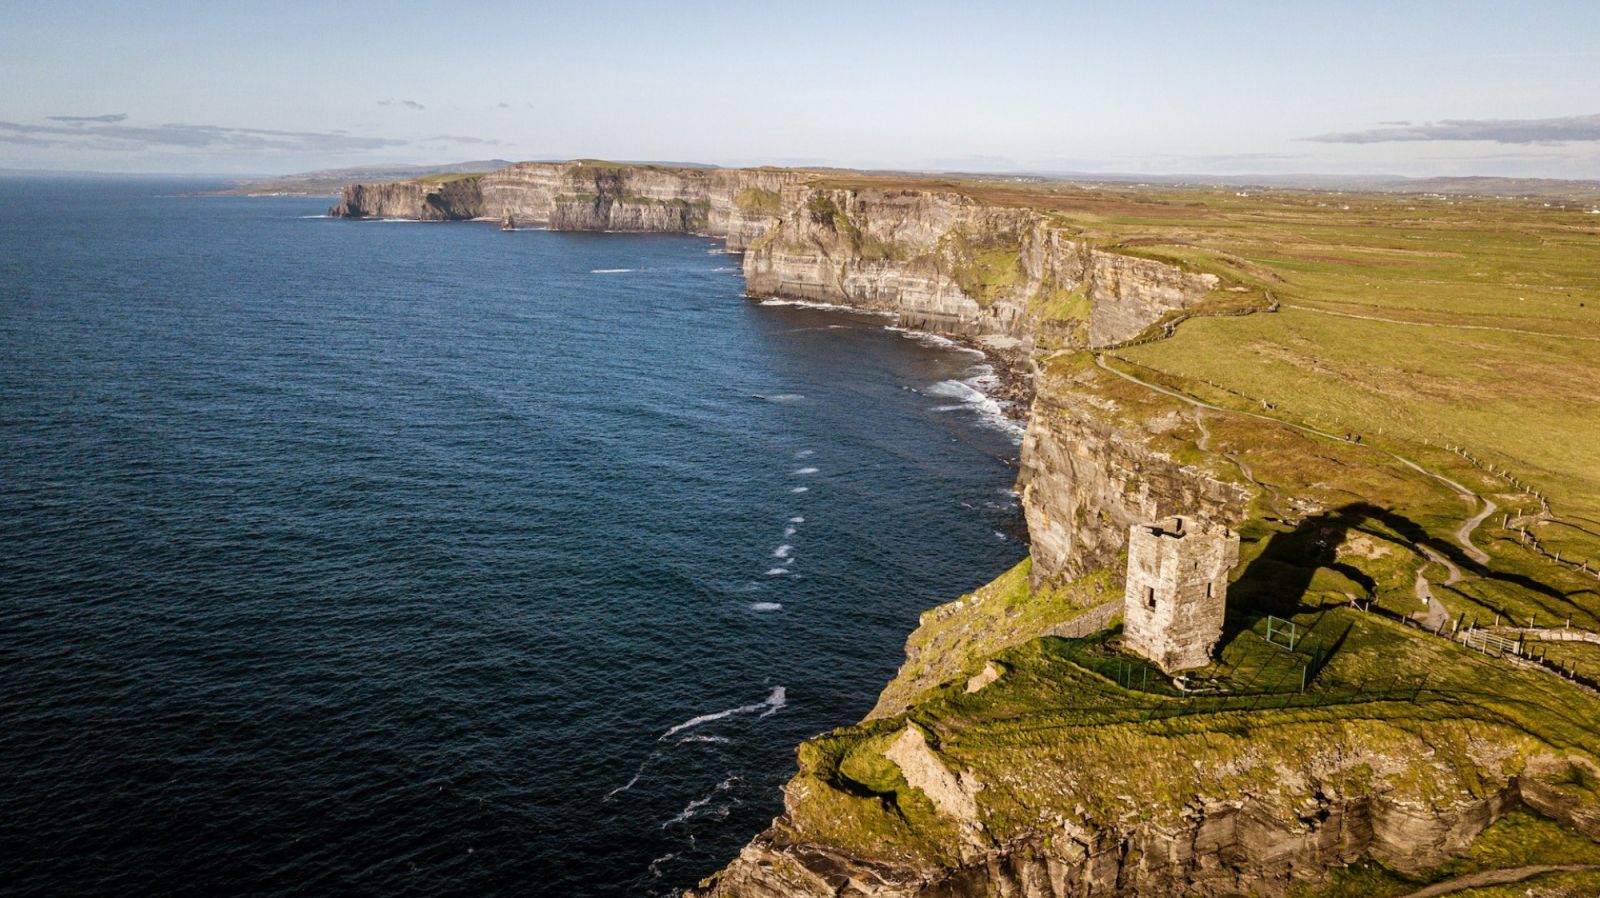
(1090,471)
(737,204)
(939,260)
(1249,844)
(946,263)
(424,201)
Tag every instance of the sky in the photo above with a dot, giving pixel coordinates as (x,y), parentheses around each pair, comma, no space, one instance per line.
(1411,88)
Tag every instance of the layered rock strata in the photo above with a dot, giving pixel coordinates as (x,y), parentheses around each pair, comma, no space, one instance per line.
(939,260)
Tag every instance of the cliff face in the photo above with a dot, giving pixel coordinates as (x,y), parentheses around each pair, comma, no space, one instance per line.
(737,204)
(452,200)
(1088,474)
(939,260)
(1251,846)
(948,264)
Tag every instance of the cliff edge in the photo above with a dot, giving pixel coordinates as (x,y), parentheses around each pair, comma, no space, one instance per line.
(1021,751)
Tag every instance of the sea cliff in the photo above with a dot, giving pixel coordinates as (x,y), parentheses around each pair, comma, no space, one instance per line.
(1013,754)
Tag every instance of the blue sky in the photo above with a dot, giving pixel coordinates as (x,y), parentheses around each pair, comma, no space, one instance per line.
(1223,87)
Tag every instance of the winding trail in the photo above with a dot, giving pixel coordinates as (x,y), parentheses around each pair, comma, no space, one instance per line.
(1463,535)
(1496,878)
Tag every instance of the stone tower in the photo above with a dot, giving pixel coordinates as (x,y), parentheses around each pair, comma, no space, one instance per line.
(1177,586)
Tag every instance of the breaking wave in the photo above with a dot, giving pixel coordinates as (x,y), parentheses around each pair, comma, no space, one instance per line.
(971,395)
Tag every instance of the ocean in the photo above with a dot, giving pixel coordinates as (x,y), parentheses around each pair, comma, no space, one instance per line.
(403,558)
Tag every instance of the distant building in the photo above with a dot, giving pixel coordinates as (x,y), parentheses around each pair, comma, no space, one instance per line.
(1177,590)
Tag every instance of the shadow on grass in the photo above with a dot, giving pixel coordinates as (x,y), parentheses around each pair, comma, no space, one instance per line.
(1278,580)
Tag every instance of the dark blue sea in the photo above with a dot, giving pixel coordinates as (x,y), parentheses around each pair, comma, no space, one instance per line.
(389,558)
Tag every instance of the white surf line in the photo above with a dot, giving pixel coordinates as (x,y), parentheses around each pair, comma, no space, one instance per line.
(771,705)
(776,701)
(1463,535)
(637,774)
(695,804)
(1464,327)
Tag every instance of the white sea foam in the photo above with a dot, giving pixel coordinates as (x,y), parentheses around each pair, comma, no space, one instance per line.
(769,706)
(827,306)
(776,571)
(630,783)
(610,270)
(766,606)
(702,737)
(692,809)
(788,531)
(800,489)
(323,215)
(782,397)
(782,551)
(797,520)
(805,453)
(934,340)
(806,471)
(694,804)
(655,865)
(990,411)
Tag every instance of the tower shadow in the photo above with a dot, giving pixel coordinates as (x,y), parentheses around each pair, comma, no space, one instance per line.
(1278,580)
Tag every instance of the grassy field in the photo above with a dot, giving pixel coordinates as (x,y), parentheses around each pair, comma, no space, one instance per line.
(448,177)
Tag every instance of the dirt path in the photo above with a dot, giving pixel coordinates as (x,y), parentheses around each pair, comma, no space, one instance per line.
(1463,535)
(1495,878)
(1437,615)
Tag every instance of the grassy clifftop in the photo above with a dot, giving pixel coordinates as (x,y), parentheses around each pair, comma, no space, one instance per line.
(1461,342)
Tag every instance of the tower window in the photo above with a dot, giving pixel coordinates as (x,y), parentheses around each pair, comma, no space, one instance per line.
(1150,597)
(1208,590)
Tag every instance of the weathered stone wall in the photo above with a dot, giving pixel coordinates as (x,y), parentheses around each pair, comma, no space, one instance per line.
(1176,590)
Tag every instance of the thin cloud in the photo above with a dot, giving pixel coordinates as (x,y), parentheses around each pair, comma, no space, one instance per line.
(458,138)
(115,136)
(409,104)
(1534,130)
(86,119)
